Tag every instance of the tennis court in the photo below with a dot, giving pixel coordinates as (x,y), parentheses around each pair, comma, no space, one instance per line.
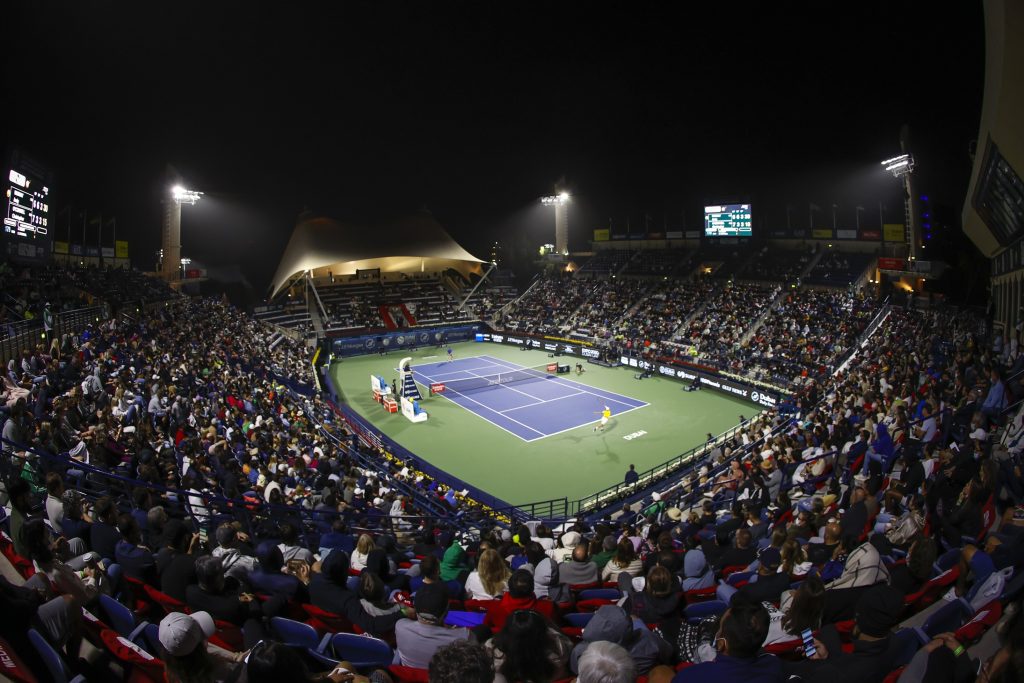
(573,463)
(530,403)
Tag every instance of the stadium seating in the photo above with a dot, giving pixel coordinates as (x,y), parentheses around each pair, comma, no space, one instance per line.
(286,461)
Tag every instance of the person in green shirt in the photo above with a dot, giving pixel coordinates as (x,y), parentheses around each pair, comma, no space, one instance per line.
(454,566)
(20,506)
(607,552)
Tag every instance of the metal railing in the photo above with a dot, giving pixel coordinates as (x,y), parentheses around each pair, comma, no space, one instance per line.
(26,334)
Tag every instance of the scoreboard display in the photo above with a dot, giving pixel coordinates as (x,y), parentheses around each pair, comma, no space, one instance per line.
(28,221)
(727,220)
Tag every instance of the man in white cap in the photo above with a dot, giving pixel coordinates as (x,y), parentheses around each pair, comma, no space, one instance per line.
(568,541)
(183,639)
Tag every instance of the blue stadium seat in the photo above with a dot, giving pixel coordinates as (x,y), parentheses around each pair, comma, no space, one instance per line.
(700,610)
(599,594)
(947,618)
(55,664)
(297,634)
(361,651)
(121,618)
(578,619)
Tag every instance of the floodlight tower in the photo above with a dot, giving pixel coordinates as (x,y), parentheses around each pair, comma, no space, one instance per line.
(561,203)
(170,266)
(902,168)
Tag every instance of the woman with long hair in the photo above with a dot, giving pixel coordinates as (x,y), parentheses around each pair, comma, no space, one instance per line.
(804,611)
(659,598)
(363,547)
(794,559)
(529,650)
(625,560)
(490,579)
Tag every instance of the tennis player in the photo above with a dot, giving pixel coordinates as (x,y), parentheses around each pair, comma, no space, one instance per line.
(606,415)
(450,356)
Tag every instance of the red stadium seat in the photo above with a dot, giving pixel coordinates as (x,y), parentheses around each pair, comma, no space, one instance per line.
(13,668)
(164,601)
(139,665)
(973,630)
(407,674)
(731,569)
(326,622)
(931,591)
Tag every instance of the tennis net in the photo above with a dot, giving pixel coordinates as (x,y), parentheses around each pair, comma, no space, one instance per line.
(510,377)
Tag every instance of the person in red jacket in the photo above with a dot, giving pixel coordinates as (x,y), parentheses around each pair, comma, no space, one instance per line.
(519,596)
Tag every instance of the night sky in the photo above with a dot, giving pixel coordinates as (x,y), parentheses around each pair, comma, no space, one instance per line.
(474,110)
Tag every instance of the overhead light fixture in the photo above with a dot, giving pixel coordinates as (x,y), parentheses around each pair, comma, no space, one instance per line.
(899,166)
(183,196)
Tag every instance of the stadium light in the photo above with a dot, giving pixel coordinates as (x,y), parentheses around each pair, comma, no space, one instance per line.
(555,199)
(561,203)
(899,166)
(183,196)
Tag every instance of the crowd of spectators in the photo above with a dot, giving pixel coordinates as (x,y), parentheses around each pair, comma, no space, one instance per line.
(714,337)
(776,265)
(839,269)
(805,333)
(852,520)
(662,311)
(27,291)
(118,285)
(544,308)
(607,306)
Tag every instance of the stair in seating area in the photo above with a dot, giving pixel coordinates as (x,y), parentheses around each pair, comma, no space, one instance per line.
(410,321)
(385,315)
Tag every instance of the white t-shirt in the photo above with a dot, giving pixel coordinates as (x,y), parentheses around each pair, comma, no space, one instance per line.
(475,588)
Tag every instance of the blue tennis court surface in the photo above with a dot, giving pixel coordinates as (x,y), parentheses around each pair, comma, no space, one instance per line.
(531,409)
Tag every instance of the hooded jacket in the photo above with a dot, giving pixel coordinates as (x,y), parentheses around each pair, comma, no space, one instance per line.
(611,623)
(453,562)
(698,573)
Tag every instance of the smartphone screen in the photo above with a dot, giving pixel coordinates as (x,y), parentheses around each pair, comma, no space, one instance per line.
(808,638)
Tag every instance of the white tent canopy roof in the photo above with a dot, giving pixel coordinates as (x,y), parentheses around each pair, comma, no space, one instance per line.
(409,243)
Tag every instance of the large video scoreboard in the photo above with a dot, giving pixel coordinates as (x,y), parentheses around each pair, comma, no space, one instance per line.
(28,217)
(727,220)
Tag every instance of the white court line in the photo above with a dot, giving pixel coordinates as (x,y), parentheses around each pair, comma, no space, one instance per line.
(584,424)
(458,372)
(505,386)
(542,401)
(486,407)
(489,408)
(575,385)
(501,365)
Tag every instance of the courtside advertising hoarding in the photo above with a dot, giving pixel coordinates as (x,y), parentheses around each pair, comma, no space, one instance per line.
(759,397)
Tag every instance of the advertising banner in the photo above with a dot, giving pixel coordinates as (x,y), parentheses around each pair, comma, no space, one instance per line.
(400,339)
(885,263)
(759,397)
(846,234)
(822,233)
(894,232)
(602,235)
